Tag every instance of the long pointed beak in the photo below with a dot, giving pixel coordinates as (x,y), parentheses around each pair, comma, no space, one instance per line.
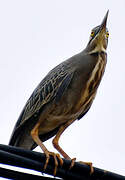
(103,24)
(99,40)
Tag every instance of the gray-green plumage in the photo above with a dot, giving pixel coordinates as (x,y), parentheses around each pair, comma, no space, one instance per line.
(66,93)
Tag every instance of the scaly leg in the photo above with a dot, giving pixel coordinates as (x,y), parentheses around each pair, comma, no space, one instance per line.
(35,136)
(56,142)
(59,149)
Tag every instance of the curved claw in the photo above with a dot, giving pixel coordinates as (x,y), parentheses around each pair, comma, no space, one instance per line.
(55,156)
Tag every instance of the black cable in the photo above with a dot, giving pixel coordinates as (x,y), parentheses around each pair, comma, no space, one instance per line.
(33,160)
(11,174)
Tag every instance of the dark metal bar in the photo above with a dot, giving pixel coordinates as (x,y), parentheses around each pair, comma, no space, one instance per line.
(34,160)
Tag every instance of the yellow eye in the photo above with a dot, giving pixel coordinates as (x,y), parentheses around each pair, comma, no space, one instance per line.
(107,34)
(92,34)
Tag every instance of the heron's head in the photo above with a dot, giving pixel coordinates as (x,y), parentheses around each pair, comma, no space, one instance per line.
(98,38)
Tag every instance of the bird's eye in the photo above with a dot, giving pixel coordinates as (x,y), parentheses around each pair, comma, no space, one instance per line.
(107,34)
(92,34)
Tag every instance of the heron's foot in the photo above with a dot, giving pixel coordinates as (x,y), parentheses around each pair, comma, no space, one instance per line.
(88,164)
(56,158)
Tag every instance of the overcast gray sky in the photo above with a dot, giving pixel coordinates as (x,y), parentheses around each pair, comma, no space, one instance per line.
(37,35)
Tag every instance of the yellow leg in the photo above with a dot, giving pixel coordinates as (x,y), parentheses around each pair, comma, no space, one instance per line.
(35,136)
(61,151)
(57,146)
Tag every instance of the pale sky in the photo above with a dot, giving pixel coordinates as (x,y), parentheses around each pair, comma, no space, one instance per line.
(35,36)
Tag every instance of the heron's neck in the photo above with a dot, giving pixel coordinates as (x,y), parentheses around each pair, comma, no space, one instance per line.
(95,49)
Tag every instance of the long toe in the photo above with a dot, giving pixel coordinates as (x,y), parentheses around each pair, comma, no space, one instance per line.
(48,154)
(60,159)
(56,157)
(56,163)
(47,160)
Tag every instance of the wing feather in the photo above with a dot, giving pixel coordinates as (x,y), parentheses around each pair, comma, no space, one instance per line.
(52,86)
